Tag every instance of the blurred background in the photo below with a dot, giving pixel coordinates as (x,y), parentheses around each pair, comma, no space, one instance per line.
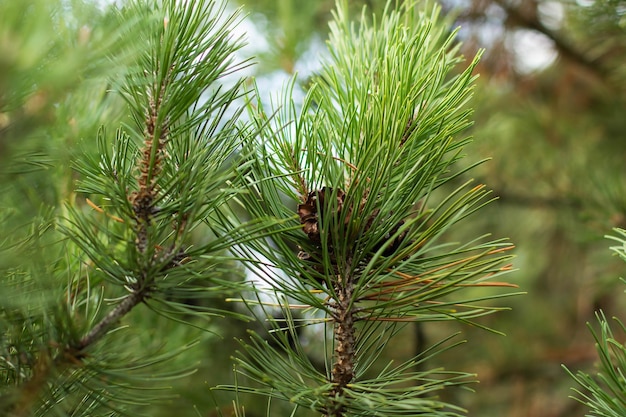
(550,115)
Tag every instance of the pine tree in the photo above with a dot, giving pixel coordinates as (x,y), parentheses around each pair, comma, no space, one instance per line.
(351,197)
(363,174)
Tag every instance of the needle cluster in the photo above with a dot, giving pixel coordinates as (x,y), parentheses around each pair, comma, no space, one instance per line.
(364,175)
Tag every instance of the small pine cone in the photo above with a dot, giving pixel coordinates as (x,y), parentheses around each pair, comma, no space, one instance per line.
(309,216)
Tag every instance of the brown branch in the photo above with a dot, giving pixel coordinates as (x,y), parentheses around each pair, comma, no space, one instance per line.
(343,369)
(535,201)
(47,363)
(565,48)
(112,317)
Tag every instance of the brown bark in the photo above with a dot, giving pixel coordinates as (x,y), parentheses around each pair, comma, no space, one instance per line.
(342,372)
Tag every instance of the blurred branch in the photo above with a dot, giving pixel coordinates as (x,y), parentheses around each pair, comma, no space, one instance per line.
(564,47)
(530,200)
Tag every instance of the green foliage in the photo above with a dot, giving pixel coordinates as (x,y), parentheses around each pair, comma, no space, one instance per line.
(360,168)
(605,392)
(51,60)
(352,196)
(600,28)
(56,58)
(139,229)
(48,47)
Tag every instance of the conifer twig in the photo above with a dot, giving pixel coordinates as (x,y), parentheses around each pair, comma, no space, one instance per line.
(177,166)
(375,137)
(112,317)
(143,207)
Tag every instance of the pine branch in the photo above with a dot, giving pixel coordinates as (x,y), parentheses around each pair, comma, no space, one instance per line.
(132,240)
(150,166)
(100,329)
(605,392)
(363,247)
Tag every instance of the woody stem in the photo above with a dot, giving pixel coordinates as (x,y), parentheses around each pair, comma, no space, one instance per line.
(343,368)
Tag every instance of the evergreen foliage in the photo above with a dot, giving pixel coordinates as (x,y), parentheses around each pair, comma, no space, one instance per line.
(605,392)
(359,173)
(549,108)
(351,197)
(126,238)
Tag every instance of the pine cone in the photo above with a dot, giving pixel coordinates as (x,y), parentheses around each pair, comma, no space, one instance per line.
(309,216)
(310,220)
